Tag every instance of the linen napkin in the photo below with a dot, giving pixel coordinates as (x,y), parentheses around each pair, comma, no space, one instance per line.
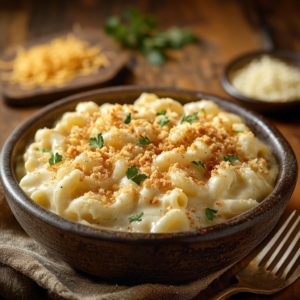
(28,271)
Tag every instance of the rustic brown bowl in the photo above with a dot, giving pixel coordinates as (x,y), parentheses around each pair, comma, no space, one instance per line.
(274,108)
(147,257)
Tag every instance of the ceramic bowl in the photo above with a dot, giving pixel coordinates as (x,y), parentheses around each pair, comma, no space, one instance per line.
(280,108)
(147,257)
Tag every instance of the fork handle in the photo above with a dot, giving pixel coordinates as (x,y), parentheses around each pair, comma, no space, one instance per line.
(231,290)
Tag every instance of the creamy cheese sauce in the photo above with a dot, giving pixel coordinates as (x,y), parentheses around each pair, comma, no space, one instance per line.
(169,168)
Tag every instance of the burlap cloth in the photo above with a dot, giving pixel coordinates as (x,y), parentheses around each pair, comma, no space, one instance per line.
(28,271)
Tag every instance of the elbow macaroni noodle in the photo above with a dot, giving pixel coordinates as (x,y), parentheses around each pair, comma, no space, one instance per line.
(186,163)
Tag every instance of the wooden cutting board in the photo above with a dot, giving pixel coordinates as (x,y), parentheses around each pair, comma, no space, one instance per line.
(15,95)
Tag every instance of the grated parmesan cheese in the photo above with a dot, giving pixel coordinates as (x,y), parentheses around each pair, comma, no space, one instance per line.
(268,79)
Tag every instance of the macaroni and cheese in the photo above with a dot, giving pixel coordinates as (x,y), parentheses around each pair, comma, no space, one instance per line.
(154,166)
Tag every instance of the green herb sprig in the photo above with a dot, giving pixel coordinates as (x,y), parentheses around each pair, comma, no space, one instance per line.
(127,119)
(163,121)
(143,141)
(136,218)
(46,150)
(55,159)
(199,163)
(140,32)
(238,131)
(97,142)
(190,119)
(231,158)
(161,113)
(132,173)
(210,213)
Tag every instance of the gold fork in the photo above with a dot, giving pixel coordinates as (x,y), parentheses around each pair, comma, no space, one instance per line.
(256,278)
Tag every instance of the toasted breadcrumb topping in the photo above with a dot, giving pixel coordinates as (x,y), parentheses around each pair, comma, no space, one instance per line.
(132,167)
(219,139)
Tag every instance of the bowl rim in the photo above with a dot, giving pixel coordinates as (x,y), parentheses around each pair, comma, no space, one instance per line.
(207,234)
(232,91)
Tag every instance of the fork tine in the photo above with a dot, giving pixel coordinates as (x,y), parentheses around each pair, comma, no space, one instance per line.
(266,249)
(287,253)
(282,243)
(290,265)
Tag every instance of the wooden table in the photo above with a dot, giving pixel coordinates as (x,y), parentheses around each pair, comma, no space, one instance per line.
(225,30)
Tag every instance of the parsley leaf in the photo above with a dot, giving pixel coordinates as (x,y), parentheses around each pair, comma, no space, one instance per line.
(139,178)
(231,158)
(199,163)
(191,119)
(37,149)
(97,143)
(143,141)
(136,218)
(46,150)
(163,121)
(55,159)
(161,113)
(210,213)
(238,131)
(203,110)
(128,119)
(132,173)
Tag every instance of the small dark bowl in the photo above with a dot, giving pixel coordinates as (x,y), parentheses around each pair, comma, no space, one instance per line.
(147,257)
(290,57)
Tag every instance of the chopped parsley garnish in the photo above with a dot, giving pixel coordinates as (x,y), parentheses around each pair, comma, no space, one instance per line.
(37,149)
(199,163)
(161,113)
(143,141)
(191,119)
(139,178)
(231,158)
(127,119)
(210,213)
(136,218)
(97,142)
(163,121)
(203,110)
(238,131)
(45,150)
(55,159)
(132,173)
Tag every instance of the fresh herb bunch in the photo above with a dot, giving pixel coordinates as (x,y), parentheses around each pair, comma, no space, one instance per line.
(140,32)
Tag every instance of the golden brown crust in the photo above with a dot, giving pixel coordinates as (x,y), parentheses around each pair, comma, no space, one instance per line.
(206,130)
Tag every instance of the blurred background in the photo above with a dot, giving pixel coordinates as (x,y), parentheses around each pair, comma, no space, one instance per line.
(224,29)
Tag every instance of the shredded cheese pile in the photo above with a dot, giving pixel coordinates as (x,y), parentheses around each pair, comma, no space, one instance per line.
(56,63)
(268,79)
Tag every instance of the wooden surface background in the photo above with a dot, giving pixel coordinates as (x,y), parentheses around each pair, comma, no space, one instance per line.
(225,29)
